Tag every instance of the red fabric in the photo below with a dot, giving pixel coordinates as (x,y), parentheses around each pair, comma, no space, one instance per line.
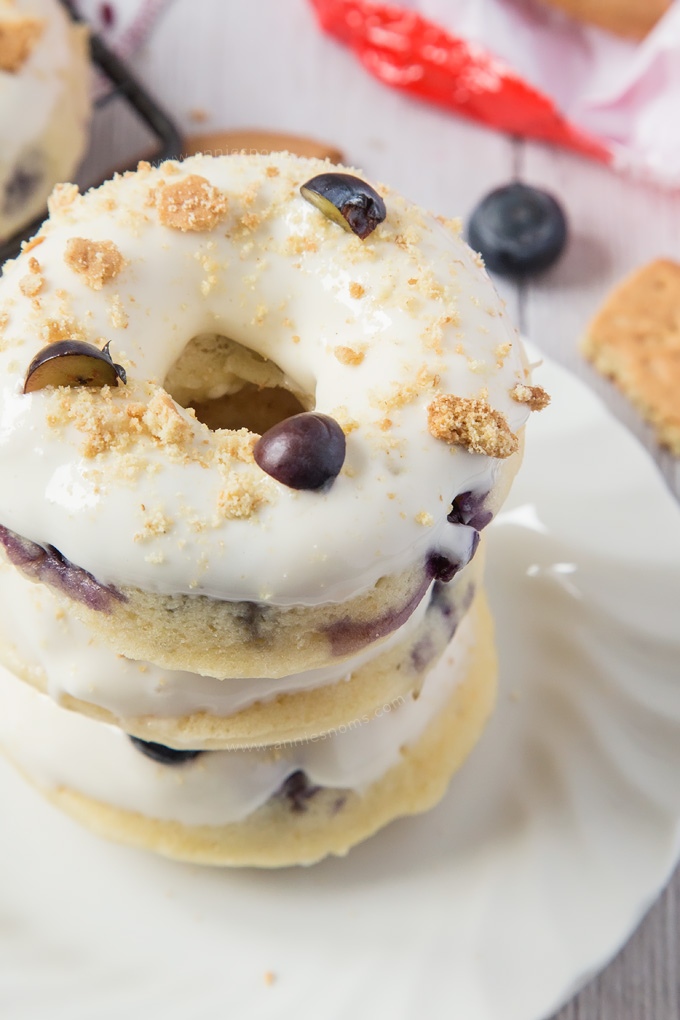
(410,53)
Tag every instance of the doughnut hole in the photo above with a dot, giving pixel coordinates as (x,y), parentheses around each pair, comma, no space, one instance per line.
(231,387)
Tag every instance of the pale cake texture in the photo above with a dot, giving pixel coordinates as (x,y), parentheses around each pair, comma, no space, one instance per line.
(334,820)
(635,340)
(297,715)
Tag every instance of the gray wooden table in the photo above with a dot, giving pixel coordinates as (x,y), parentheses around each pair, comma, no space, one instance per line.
(265,64)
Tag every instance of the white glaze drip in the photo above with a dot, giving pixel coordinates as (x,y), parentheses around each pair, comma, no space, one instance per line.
(76,663)
(57,749)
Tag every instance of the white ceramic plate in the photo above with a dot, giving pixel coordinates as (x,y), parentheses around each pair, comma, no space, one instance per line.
(554,838)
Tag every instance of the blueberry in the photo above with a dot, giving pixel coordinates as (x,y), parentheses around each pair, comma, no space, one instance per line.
(422,653)
(297,789)
(162,754)
(468,508)
(347,200)
(49,566)
(518,229)
(302,452)
(72,363)
(441,568)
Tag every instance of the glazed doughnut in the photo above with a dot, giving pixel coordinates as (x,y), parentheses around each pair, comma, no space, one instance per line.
(43,644)
(44,105)
(220,288)
(267,807)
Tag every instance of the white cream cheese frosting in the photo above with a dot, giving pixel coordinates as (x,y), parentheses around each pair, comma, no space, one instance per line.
(175,508)
(75,662)
(56,749)
(44,109)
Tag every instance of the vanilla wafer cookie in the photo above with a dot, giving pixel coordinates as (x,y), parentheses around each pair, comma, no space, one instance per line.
(635,340)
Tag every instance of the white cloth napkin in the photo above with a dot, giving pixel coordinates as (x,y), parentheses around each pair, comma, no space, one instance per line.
(625,93)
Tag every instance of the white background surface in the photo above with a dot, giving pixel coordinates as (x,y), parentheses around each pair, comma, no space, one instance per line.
(265,64)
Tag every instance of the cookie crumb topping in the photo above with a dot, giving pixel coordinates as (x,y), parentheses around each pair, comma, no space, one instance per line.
(472,423)
(191,204)
(31,284)
(63,195)
(97,261)
(348,356)
(534,397)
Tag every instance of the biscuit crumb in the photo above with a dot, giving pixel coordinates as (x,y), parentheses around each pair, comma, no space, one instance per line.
(356,290)
(18,36)
(117,314)
(272,171)
(31,284)
(344,420)
(33,243)
(427,520)
(534,397)
(269,978)
(471,422)
(97,261)
(348,356)
(191,204)
(63,195)
(501,352)
(297,244)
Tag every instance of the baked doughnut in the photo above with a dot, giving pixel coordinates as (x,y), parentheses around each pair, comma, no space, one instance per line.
(44,105)
(212,290)
(42,643)
(270,807)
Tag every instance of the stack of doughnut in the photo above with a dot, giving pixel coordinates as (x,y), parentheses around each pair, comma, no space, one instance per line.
(254,415)
(44,106)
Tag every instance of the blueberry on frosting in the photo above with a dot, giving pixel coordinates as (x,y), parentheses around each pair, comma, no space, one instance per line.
(346,200)
(306,451)
(72,363)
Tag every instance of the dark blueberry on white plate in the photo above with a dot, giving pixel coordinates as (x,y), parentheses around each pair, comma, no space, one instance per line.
(518,230)
(162,754)
(72,363)
(306,451)
(347,200)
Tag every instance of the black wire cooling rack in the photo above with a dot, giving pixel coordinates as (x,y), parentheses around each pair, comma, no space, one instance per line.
(117,83)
